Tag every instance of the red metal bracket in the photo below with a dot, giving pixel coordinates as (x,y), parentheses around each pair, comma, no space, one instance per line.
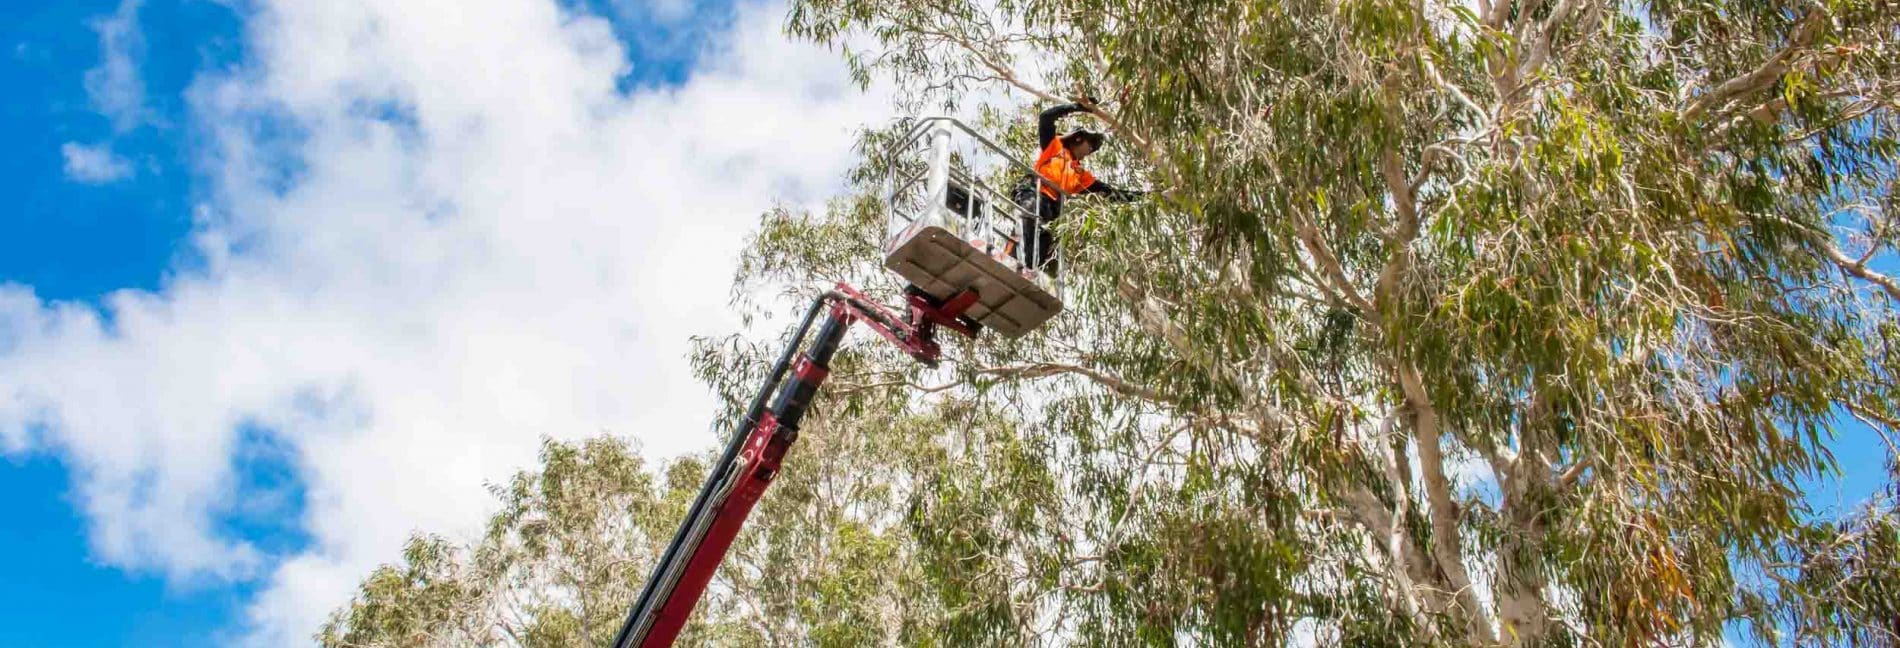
(916,334)
(949,315)
(809,372)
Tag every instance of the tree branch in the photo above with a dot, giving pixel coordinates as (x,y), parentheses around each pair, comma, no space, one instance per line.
(1399,240)
(1569,477)
(1405,566)
(1112,382)
(1332,271)
(1874,421)
(1008,76)
(1447,543)
(1540,50)
(1766,73)
(1858,268)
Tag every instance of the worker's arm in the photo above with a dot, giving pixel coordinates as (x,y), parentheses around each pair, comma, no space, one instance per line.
(1114,193)
(1046,124)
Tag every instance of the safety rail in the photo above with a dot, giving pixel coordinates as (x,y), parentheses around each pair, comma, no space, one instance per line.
(936,175)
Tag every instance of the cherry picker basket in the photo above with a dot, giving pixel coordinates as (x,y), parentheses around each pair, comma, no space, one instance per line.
(950,229)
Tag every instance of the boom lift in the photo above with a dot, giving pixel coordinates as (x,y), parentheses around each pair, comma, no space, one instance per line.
(950,234)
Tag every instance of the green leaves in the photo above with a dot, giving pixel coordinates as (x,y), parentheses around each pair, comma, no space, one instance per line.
(1611,293)
(1446,325)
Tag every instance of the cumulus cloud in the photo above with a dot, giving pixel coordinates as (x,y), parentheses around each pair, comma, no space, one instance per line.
(434,232)
(114,85)
(94,163)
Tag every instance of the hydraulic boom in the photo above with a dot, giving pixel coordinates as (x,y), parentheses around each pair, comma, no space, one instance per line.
(753,453)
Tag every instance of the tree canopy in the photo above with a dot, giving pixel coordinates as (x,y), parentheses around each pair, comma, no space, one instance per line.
(1446,324)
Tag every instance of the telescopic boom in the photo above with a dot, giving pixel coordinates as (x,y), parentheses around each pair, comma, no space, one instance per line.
(753,454)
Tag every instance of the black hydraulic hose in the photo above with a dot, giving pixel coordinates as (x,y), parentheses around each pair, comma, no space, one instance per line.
(650,594)
(796,397)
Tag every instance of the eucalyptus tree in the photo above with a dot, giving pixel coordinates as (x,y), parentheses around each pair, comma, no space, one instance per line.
(554,566)
(1495,323)
(563,558)
(1460,324)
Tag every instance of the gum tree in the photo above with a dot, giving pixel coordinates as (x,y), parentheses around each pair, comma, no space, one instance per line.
(1506,323)
(1447,324)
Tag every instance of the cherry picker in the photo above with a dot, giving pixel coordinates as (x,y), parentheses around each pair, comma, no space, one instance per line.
(956,239)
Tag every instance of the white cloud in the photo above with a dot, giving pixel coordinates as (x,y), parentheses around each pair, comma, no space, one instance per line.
(114,86)
(435,232)
(94,163)
(115,90)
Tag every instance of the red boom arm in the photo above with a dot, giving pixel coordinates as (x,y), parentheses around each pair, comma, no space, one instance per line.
(752,456)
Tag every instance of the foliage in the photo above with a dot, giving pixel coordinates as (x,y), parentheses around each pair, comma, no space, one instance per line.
(1507,323)
(1511,323)
(573,542)
(568,548)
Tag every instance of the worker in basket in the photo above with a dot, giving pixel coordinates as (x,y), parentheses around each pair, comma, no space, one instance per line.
(1059,163)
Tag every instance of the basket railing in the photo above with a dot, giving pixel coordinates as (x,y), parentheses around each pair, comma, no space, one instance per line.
(943,172)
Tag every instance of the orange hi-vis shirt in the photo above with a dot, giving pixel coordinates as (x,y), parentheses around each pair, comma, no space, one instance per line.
(1062,169)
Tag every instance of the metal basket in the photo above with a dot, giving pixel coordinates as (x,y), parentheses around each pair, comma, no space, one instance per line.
(949,229)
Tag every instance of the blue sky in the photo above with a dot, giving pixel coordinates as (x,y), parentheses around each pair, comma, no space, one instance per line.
(76,240)
(270,353)
(263,255)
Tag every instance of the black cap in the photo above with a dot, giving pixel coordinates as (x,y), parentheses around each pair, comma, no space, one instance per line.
(1094,139)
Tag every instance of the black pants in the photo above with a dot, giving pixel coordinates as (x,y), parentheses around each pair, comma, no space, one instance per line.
(1036,244)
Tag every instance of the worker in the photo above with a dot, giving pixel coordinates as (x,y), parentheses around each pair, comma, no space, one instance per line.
(1059,163)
